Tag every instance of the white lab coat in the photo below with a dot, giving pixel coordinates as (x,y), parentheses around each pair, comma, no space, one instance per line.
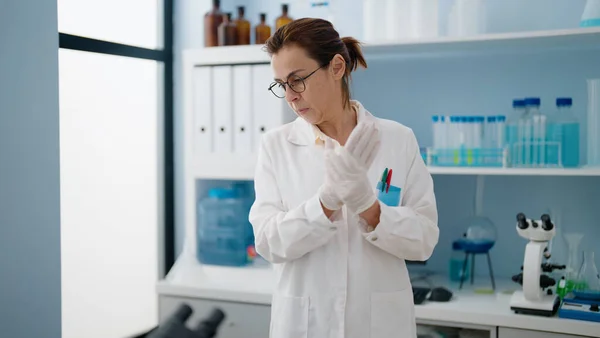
(335,279)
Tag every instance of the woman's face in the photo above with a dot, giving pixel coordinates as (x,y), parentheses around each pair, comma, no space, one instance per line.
(292,64)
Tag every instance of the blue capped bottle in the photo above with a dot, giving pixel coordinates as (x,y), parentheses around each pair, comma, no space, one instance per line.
(569,153)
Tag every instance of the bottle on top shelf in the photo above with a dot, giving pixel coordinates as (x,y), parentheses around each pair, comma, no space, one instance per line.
(243,27)
(212,20)
(283,19)
(262,30)
(228,34)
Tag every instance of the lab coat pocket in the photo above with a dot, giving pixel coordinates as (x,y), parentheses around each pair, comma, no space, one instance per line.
(289,317)
(393,314)
(389,195)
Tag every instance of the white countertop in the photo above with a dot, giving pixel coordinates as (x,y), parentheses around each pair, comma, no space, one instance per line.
(255,285)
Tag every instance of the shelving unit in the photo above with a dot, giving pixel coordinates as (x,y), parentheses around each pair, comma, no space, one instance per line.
(236,165)
(248,289)
(240,166)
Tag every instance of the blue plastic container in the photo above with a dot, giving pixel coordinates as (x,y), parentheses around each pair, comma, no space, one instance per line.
(224,233)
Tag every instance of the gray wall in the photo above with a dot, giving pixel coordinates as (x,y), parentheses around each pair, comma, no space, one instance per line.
(29,170)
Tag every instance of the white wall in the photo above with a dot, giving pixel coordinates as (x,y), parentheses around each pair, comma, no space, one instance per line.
(30,297)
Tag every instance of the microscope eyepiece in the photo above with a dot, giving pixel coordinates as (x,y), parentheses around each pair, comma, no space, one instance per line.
(546,222)
(522,221)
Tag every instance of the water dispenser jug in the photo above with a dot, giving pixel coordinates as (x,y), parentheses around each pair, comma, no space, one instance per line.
(224,233)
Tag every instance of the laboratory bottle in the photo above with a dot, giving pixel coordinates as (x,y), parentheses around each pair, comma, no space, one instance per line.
(537,136)
(212,20)
(438,134)
(227,31)
(591,14)
(283,18)
(512,125)
(435,121)
(525,137)
(593,123)
(478,131)
(457,260)
(500,131)
(243,27)
(569,133)
(489,132)
(554,137)
(262,30)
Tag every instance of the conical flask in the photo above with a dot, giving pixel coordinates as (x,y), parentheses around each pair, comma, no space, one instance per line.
(574,261)
(588,278)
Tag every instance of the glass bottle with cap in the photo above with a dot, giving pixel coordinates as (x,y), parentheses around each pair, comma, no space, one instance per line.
(283,19)
(228,34)
(262,30)
(212,20)
(569,151)
(243,27)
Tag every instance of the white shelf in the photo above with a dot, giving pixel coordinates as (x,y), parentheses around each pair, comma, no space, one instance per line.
(515,171)
(225,166)
(578,39)
(241,167)
(505,43)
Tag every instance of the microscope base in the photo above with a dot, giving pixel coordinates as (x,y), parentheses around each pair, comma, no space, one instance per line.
(547,306)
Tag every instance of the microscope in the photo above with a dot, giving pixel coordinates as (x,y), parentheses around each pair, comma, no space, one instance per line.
(536,298)
(175,326)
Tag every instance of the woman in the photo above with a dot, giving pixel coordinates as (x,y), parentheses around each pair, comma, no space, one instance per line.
(338,252)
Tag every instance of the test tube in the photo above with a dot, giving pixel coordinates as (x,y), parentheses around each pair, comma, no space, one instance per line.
(436,131)
(593,123)
(443,131)
(500,129)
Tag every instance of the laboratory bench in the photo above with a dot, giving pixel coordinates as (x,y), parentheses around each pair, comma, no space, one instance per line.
(244,294)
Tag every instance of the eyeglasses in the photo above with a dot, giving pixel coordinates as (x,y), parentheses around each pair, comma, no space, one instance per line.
(295,82)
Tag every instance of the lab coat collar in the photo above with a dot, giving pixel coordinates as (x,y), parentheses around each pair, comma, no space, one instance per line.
(302,133)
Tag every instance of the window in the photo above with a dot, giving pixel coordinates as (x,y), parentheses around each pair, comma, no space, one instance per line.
(115,84)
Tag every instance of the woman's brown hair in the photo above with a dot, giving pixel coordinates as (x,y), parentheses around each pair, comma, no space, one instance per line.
(321,42)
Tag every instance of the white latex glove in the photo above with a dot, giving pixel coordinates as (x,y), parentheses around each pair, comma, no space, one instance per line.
(350,181)
(327,194)
(364,143)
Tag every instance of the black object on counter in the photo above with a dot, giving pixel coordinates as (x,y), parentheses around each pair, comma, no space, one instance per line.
(175,327)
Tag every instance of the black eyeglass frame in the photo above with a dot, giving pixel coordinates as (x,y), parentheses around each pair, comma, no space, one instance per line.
(286,83)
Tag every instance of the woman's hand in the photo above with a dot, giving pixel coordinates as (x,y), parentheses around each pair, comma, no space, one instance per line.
(349,179)
(330,201)
(364,143)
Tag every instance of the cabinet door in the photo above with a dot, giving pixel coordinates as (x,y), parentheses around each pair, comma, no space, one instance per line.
(242,319)
(505,332)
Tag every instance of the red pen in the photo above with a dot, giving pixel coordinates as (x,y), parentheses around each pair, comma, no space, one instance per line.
(388,181)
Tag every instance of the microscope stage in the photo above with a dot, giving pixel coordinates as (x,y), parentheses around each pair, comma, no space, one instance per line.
(547,306)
